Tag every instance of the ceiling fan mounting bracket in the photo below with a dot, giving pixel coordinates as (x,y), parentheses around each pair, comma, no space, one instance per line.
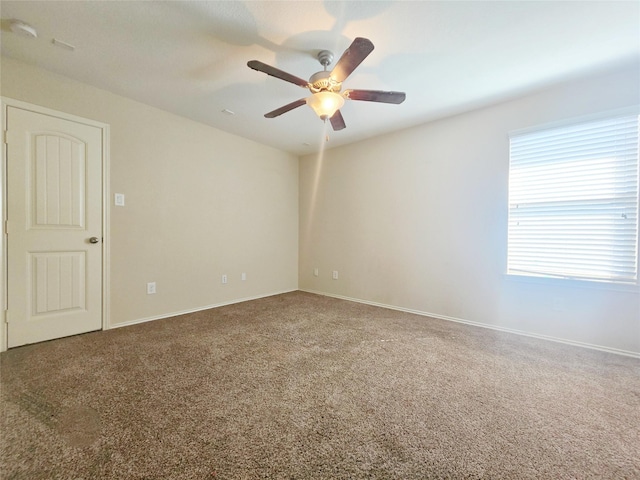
(325,57)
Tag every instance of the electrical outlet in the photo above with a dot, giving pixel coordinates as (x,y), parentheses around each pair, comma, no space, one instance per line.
(224,279)
(335,274)
(151,288)
(315,272)
(244,276)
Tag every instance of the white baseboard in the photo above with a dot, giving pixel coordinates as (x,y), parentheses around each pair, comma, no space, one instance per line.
(617,351)
(193,310)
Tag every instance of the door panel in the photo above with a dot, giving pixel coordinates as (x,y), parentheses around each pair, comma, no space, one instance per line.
(58,282)
(54,173)
(58,172)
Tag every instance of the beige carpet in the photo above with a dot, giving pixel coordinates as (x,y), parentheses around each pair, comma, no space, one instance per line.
(300,386)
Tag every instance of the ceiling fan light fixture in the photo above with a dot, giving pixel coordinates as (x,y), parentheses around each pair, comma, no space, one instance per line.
(325,104)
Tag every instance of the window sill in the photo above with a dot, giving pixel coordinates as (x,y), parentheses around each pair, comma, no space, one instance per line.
(574,283)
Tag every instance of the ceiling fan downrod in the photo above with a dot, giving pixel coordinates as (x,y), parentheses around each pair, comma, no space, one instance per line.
(325,57)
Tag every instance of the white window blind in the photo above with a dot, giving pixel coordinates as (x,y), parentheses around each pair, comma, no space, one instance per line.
(573,201)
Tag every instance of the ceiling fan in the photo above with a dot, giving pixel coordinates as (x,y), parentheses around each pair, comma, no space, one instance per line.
(326,99)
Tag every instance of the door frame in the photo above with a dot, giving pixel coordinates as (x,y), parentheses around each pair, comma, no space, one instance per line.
(9,102)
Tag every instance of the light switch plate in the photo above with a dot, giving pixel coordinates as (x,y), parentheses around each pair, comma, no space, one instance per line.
(119,199)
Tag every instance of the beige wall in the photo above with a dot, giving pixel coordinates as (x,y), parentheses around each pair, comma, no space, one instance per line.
(418,220)
(414,220)
(199,202)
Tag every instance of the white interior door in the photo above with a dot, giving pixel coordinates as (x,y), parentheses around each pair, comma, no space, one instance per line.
(54,227)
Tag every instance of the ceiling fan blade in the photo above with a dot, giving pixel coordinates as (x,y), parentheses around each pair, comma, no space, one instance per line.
(337,122)
(290,106)
(274,72)
(375,96)
(353,56)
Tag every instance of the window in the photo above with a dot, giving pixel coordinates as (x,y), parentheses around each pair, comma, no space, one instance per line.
(573,201)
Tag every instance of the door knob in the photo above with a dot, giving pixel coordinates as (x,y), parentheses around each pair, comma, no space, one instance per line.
(94,240)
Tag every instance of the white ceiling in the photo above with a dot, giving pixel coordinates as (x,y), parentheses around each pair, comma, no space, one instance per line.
(190,57)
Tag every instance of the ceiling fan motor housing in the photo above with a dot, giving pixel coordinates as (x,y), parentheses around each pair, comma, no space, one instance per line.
(322,82)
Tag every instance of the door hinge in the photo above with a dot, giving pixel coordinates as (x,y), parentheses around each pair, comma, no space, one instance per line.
(6,227)
(7,137)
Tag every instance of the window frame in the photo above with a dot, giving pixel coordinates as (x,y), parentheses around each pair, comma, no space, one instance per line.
(568,279)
